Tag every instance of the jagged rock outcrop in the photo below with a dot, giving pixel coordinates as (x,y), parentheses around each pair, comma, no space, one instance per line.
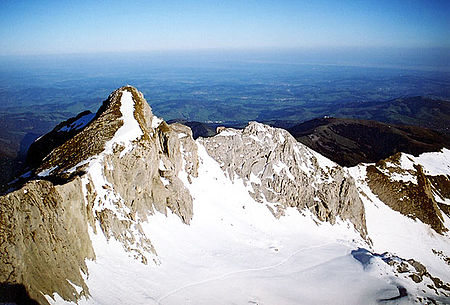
(116,170)
(403,186)
(106,173)
(280,170)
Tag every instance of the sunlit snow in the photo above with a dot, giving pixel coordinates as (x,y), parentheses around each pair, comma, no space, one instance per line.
(235,252)
(130,130)
(391,231)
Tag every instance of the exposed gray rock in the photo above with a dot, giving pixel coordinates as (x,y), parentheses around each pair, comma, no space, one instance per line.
(143,181)
(280,170)
(44,237)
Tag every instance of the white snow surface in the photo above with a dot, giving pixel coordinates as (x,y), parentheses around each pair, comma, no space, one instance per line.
(156,121)
(130,130)
(391,231)
(407,238)
(325,163)
(106,196)
(433,163)
(164,181)
(182,135)
(47,171)
(227,133)
(235,252)
(280,166)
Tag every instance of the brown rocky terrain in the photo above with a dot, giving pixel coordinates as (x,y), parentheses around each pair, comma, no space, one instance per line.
(39,149)
(413,195)
(349,141)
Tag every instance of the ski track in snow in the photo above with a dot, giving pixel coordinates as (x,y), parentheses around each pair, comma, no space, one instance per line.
(175,291)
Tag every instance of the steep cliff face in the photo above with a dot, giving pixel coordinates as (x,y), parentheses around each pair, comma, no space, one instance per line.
(414,186)
(406,202)
(286,173)
(122,166)
(44,239)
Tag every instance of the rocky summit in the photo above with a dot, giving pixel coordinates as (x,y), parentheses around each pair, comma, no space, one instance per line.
(121,167)
(119,207)
(282,171)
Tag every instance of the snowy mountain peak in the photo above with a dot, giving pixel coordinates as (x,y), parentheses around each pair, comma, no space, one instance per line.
(283,173)
(118,169)
(126,209)
(417,187)
(122,119)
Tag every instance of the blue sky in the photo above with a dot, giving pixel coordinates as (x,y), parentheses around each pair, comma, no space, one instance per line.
(49,27)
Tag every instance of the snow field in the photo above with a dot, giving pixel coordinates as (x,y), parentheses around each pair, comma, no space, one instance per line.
(235,251)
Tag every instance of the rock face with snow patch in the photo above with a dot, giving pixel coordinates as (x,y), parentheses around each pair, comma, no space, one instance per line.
(280,170)
(120,167)
(401,183)
(409,270)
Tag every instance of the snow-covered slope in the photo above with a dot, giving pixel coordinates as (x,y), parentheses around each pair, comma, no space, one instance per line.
(134,211)
(408,237)
(390,229)
(286,173)
(236,251)
(79,123)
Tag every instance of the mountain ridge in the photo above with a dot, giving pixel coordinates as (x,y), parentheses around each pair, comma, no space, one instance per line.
(76,188)
(351,141)
(140,199)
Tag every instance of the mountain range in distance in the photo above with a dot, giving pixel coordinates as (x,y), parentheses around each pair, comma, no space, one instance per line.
(349,141)
(415,111)
(413,125)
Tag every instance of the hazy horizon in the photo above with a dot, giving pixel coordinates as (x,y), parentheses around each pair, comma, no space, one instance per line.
(421,59)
